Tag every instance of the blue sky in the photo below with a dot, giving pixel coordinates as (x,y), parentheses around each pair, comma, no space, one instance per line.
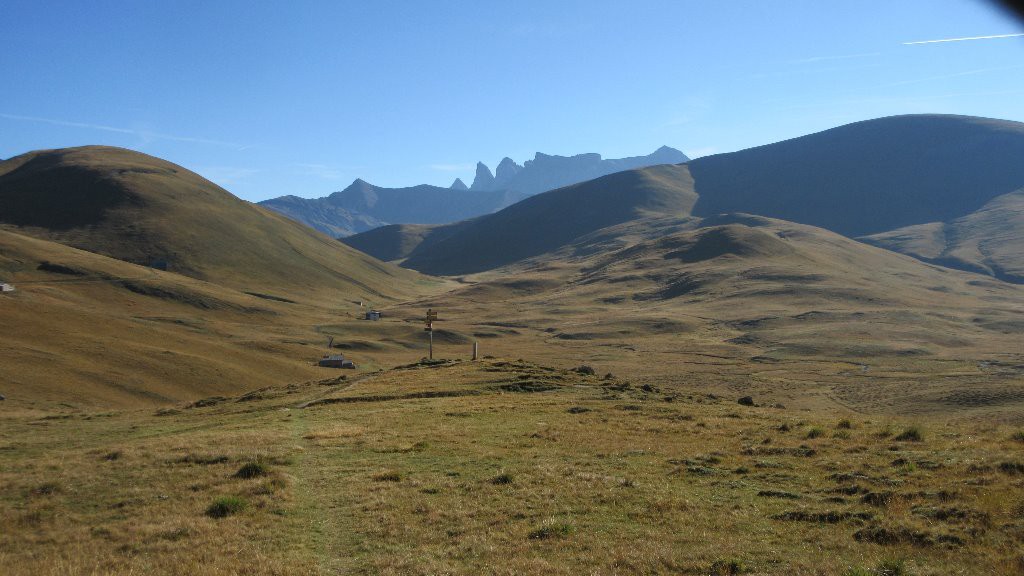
(302,97)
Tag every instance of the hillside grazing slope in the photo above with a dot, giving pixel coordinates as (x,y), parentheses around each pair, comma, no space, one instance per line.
(87,330)
(989,240)
(793,313)
(538,224)
(144,210)
(870,176)
(506,467)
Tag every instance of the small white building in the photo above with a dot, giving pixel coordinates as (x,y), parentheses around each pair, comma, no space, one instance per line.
(4,287)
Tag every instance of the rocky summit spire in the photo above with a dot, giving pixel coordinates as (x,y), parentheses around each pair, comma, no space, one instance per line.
(507,169)
(484,179)
(459,185)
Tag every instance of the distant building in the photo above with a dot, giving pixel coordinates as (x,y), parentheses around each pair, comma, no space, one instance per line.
(335,361)
(4,287)
(373,315)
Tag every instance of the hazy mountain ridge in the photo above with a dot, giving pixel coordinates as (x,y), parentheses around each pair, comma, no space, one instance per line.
(362,206)
(548,172)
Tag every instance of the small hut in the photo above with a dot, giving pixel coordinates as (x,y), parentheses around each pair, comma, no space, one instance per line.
(335,361)
(373,315)
(5,287)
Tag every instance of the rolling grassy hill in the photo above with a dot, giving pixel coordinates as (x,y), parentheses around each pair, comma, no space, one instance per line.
(83,329)
(989,240)
(144,210)
(536,225)
(91,323)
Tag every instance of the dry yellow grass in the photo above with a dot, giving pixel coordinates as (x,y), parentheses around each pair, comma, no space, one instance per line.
(504,467)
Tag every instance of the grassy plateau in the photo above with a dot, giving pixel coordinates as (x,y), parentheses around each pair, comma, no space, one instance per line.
(505,467)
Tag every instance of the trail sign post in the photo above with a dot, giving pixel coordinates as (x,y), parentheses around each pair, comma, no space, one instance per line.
(431,316)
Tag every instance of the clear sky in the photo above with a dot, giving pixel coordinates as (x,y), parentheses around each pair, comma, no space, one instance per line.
(274,98)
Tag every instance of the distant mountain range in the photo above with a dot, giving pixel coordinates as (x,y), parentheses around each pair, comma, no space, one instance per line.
(546,172)
(944,189)
(363,206)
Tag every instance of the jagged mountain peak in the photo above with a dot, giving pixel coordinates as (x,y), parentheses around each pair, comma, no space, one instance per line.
(484,179)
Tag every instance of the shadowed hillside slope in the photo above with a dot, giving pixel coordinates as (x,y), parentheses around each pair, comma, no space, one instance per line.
(538,224)
(990,240)
(144,210)
(870,176)
(397,241)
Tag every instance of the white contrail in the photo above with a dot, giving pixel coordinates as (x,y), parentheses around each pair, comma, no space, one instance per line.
(140,133)
(963,39)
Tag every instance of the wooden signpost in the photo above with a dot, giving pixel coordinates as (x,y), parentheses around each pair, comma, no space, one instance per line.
(431,316)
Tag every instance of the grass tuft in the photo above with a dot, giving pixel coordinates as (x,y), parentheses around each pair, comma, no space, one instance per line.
(252,470)
(551,530)
(388,476)
(728,567)
(1011,468)
(911,434)
(203,459)
(502,479)
(226,506)
(46,489)
(815,433)
(892,568)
